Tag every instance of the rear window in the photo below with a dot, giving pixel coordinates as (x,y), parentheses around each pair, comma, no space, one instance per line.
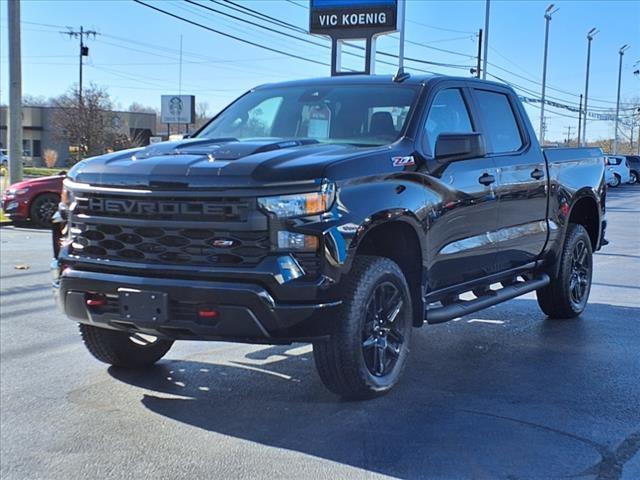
(503,134)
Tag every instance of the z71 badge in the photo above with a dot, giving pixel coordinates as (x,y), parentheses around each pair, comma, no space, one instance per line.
(403,161)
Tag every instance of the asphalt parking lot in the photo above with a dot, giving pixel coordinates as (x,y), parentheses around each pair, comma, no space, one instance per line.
(502,393)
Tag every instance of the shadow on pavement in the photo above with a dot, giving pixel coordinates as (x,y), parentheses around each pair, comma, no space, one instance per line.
(528,399)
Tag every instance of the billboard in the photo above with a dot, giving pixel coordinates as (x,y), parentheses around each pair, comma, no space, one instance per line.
(352,18)
(178,109)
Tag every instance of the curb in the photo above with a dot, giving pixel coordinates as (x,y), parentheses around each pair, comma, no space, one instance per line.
(6,224)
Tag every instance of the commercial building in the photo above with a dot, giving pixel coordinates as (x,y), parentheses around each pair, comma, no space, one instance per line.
(39,133)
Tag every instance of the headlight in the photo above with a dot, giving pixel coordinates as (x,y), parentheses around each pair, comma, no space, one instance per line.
(17,191)
(285,206)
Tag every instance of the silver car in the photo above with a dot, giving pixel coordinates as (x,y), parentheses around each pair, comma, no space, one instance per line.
(619,166)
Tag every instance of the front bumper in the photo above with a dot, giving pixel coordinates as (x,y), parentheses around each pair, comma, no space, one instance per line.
(247,311)
(15,208)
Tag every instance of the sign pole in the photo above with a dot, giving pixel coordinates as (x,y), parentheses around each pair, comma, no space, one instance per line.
(402,11)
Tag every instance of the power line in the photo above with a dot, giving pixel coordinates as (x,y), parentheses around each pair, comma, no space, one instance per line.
(228,35)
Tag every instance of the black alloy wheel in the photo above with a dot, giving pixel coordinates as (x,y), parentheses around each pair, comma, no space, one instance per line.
(382,337)
(43,208)
(580,280)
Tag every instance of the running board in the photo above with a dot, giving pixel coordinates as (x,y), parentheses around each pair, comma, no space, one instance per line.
(460,308)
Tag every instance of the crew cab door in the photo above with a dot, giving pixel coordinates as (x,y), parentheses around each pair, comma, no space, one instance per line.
(522,177)
(461,196)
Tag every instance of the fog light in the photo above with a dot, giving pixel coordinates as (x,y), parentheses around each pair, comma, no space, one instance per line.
(297,241)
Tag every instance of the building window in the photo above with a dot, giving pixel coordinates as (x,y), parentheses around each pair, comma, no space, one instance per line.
(36,149)
(26,148)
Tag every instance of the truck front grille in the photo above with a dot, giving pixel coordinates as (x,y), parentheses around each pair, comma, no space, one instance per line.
(169,245)
(163,208)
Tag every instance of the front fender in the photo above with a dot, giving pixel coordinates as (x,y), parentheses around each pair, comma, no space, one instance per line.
(362,206)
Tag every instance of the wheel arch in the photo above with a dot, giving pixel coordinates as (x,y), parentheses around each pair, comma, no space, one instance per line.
(400,241)
(585,211)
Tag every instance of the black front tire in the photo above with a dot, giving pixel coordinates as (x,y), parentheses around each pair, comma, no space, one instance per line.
(368,350)
(634,177)
(122,349)
(567,294)
(42,209)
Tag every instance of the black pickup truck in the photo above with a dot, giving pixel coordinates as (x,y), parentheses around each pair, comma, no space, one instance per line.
(341,211)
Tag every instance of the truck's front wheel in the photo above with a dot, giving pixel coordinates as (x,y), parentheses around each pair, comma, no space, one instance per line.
(365,355)
(123,349)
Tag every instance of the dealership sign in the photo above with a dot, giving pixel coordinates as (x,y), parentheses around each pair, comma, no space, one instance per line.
(178,109)
(353,18)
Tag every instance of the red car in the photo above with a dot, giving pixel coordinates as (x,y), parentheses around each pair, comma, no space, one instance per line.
(33,201)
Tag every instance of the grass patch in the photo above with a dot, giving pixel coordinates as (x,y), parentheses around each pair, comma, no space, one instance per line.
(41,171)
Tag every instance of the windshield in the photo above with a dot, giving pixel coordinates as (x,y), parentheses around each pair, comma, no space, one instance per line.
(352,114)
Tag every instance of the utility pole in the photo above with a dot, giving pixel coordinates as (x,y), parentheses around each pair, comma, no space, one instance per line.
(84,51)
(615,128)
(15,94)
(579,120)
(479,53)
(590,36)
(547,17)
(568,129)
(486,40)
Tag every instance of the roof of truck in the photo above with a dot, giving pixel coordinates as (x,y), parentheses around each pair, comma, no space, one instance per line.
(410,79)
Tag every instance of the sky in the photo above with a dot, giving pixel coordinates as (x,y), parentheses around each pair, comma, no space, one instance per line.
(136,52)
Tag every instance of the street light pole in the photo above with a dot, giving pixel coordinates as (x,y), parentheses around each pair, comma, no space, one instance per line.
(547,16)
(486,40)
(590,36)
(615,135)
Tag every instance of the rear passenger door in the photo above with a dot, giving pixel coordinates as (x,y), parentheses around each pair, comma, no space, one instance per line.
(464,207)
(522,177)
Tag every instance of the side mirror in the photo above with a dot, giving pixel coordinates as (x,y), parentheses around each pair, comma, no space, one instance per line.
(451,147)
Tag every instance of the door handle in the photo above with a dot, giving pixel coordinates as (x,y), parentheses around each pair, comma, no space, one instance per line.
(537,174)
(486,179)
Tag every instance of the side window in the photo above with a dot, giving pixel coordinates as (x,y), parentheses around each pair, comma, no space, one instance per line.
(503,131)
(448,114)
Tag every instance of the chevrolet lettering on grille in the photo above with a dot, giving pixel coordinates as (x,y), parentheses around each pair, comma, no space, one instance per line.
(142,207)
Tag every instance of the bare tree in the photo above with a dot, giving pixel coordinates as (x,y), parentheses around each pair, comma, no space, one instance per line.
(36,101)
(84,125)
(202,114)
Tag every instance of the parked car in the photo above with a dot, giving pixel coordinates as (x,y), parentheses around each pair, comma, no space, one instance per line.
(356,209)
(609,177)
(634,166)
(33,202)
(618,166)
(4,158)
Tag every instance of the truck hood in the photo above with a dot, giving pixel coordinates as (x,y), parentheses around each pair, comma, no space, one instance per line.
(217,163)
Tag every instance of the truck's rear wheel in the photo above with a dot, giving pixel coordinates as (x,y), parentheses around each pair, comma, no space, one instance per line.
(123,349)
(365,355)
(567,294)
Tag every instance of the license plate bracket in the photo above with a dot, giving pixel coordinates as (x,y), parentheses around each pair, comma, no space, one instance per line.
(143,305)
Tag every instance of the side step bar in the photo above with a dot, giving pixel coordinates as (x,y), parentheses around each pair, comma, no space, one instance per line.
(463,307)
